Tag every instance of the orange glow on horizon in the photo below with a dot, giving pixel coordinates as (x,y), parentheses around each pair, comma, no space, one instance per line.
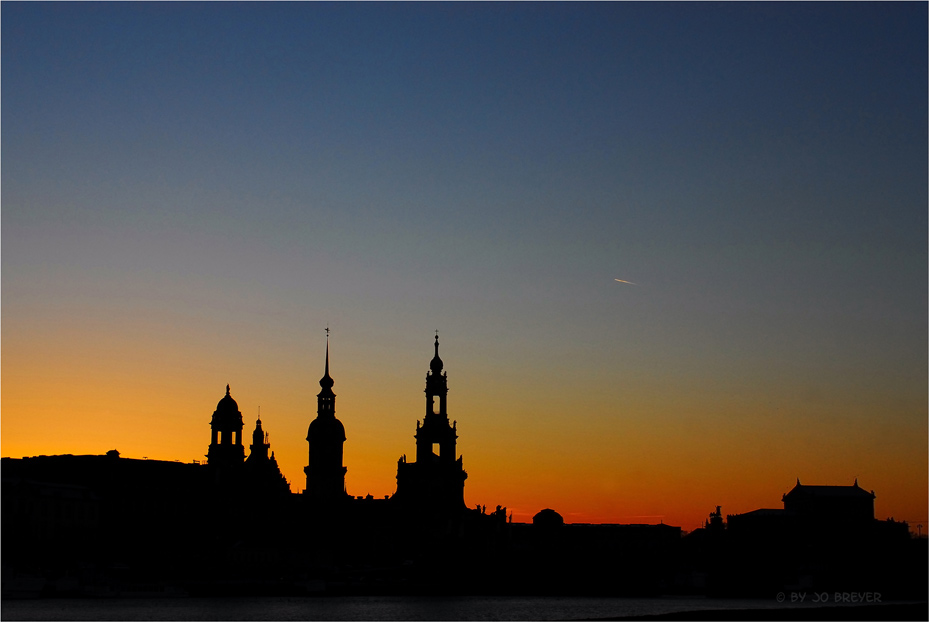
(615,456)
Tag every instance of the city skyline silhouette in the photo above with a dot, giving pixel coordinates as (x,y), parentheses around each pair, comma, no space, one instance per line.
(111,526)
(676,252)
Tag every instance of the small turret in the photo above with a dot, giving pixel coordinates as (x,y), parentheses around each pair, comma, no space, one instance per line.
(260,445)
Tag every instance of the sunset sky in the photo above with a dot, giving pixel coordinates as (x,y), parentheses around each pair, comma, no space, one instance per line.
(191,193)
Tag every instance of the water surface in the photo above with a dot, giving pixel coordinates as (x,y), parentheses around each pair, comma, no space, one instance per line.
(364,608)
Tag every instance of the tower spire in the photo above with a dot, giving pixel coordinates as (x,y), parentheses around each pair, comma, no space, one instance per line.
(325,475)
(326,381)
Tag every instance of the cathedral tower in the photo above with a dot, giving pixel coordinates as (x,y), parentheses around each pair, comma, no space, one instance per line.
(435,482)
(325,475)
(226,447)
(436,438)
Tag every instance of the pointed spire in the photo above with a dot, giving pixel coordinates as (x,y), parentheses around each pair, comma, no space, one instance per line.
(227,389)
(326,381)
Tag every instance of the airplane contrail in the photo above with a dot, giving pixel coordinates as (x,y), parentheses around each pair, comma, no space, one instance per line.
(622,281)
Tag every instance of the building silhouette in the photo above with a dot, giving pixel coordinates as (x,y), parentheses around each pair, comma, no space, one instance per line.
(325,474)
(226,462)
(835,503)
(226,450)
(825,538)
(813,509)
(436,479)
(262,472)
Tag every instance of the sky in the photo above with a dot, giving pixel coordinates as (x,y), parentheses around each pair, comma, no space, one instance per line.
(193,192)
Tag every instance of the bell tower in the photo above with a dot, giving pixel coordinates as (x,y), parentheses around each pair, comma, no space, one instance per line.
(325,475)
(435,482)
(226,447)
(436,439)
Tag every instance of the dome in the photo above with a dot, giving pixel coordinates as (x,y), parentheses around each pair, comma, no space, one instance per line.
(548,518)
(326,429)
(227,403)
(227,412)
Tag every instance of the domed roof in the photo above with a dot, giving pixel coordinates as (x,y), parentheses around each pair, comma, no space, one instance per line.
(548,518)
(227,403)
(326,381)
(227,412)
(326,429)
(436,363)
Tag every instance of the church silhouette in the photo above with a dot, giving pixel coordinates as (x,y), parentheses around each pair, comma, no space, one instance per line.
(431,485)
